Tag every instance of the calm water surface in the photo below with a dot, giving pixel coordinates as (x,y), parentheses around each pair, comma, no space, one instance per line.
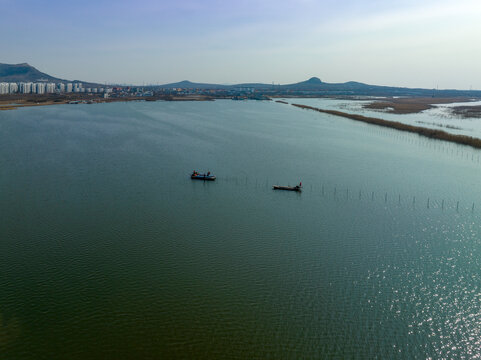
(108,250)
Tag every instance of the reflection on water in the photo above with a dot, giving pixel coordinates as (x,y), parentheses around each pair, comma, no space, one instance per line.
(109,250)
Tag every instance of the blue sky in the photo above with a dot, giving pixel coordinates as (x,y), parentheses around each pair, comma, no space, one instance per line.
(400,43)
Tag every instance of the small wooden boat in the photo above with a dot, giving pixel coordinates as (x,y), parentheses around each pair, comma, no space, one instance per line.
(288,188)
(207,177)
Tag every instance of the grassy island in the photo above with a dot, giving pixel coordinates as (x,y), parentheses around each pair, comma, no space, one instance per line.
(411,105)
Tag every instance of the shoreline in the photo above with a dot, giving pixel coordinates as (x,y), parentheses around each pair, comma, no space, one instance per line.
(425,132)
(15,102)
(409,105)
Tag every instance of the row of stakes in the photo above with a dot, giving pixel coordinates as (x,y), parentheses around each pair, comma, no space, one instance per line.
(429,202)
(461,150)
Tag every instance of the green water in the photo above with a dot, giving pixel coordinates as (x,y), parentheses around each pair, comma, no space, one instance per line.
(109,251)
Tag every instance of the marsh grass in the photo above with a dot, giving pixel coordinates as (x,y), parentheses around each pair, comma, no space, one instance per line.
(429,133)
(411,105)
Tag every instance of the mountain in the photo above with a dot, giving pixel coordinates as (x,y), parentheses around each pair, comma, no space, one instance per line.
(313,83)
(185,84)
(24,73)
(27,73)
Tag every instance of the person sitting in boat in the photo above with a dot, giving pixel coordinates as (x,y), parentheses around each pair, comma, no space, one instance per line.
(208,173)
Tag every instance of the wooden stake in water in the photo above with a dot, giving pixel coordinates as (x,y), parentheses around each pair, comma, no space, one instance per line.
(428,203)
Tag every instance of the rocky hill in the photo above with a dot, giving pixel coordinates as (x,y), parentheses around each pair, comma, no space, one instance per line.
(24,73)
(27,73)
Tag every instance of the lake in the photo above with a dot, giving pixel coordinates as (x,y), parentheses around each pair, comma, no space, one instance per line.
(108,250)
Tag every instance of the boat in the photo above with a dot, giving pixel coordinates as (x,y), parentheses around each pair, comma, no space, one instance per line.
(288,188)
(198,176)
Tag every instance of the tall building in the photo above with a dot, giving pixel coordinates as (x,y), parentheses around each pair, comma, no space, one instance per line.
(61,87)
(50,88)
(40,88)
(25,88)
(3,88)
(69,87)
(12,88)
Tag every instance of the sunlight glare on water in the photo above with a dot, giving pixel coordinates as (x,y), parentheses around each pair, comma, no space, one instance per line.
(109,250)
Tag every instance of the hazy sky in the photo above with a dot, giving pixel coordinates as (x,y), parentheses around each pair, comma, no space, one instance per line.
(424,43)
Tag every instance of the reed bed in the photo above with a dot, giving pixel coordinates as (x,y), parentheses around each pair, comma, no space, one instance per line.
(429,133)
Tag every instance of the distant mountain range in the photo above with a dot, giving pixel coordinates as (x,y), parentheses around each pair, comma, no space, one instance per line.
(314,86)
(311,84)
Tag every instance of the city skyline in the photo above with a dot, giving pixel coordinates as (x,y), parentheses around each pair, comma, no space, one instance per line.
(405,43)
(45,87)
